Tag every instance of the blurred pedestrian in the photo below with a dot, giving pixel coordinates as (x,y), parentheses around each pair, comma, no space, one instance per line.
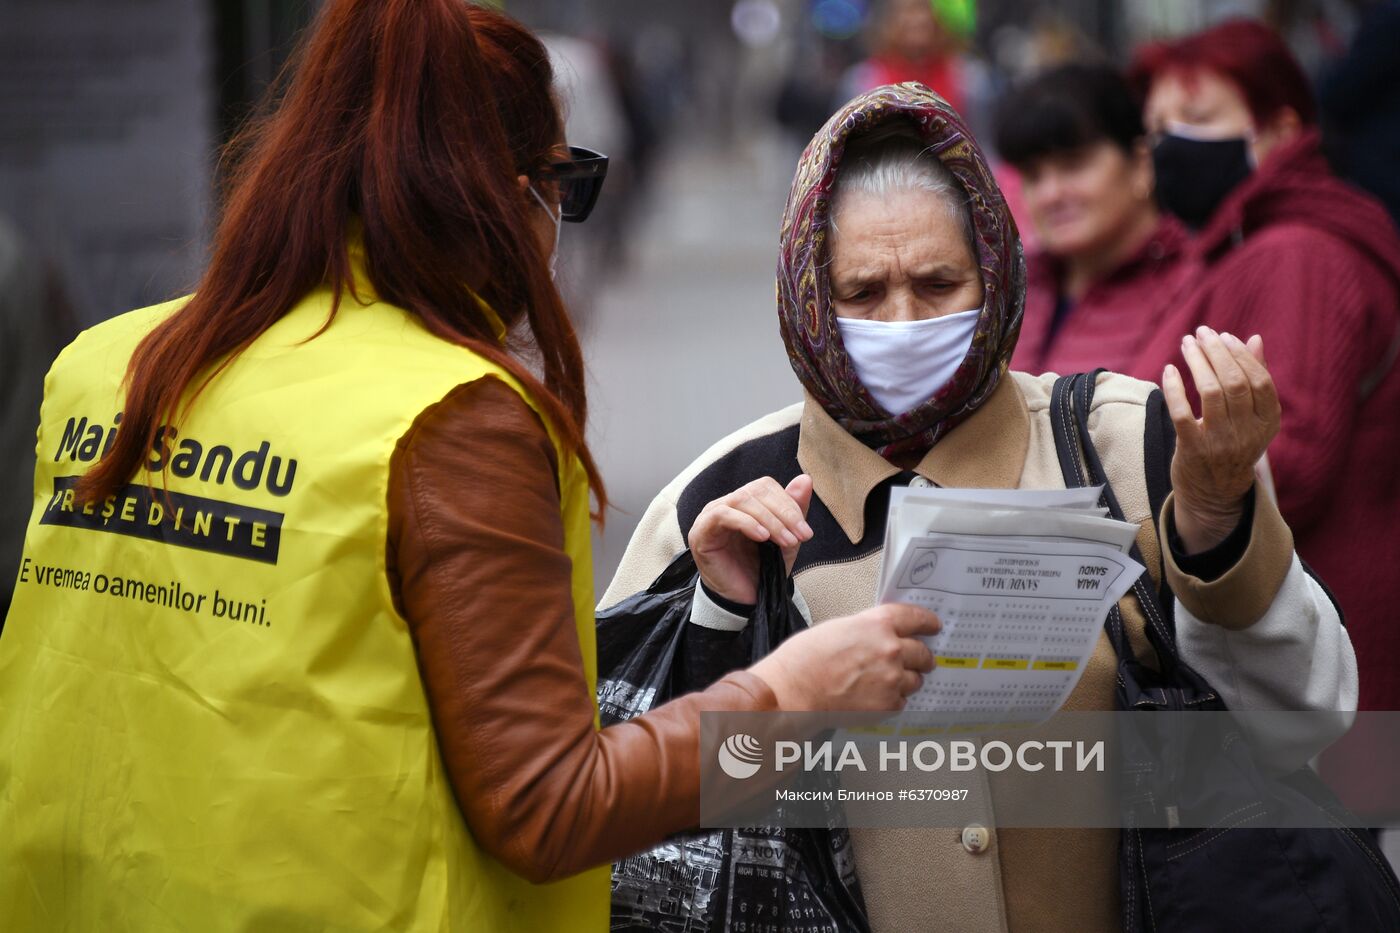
(1360,97)
(1313,265)
(304,636)
(1108,260)
(909,43)
(35,322)
(591,107)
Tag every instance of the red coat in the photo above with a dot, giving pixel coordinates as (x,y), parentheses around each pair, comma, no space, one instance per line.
(1313,265)
(1115,317)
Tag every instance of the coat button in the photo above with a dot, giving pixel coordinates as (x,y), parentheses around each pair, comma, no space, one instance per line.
(976,838)
(919,482)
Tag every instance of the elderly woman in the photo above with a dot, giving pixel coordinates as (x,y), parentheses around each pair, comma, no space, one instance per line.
(900,288)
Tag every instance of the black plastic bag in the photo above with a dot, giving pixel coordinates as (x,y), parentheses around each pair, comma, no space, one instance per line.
(765,880)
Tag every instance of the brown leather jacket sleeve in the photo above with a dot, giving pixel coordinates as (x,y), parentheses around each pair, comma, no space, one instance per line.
(476,559)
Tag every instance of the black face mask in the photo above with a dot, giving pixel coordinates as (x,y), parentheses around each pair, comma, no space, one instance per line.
(1195,175)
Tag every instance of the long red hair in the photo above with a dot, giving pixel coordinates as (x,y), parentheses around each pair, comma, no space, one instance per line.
(414,118)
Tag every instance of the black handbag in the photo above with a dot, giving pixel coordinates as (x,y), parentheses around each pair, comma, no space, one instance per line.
(761,878)
(1226,876)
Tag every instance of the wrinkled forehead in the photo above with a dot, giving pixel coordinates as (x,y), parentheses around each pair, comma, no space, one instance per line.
(911,230)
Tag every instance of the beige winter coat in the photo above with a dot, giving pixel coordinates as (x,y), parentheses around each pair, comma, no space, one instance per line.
(1019,879)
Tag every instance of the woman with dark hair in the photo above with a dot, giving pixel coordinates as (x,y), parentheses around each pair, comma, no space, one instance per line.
(1313,265)
(303,630)
(1108,259)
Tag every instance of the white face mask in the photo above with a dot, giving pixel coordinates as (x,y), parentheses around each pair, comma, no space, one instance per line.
(904,363)
(558,219)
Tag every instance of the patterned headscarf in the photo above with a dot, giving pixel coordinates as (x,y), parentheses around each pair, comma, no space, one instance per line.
(806,318)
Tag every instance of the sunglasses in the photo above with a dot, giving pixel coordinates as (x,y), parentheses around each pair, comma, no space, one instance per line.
(579,181)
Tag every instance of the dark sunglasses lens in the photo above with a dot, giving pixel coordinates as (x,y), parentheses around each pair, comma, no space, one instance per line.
(577,197)
(579,180)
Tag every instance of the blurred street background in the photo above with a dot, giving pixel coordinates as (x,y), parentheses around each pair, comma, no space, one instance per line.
(112,113)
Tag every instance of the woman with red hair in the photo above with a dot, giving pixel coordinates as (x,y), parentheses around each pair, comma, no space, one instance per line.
(1313,265)
(303,631)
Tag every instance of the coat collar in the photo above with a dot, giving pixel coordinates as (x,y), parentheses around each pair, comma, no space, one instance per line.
(986,451)
(1276,179)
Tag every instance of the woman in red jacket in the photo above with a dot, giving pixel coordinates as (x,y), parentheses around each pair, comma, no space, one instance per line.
(1311,264)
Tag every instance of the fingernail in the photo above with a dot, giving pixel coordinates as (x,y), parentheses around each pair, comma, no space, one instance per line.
(789,539)
(806,530)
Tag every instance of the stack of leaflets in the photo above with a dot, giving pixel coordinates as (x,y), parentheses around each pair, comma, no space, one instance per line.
(1023,581)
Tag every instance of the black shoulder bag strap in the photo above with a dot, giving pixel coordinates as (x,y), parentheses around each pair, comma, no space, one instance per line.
(1070,401)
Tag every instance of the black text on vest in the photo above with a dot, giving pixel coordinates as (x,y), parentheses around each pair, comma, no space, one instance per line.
(85,442)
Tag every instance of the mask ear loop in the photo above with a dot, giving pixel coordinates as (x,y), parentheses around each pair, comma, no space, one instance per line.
(558,229)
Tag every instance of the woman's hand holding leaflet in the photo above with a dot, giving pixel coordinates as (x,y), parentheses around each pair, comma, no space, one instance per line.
(870,661)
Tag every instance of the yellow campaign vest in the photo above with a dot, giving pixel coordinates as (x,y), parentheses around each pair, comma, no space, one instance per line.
(211,716)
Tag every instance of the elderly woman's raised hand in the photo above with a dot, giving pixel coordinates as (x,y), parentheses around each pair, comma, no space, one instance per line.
(1213,468)
(725,537)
